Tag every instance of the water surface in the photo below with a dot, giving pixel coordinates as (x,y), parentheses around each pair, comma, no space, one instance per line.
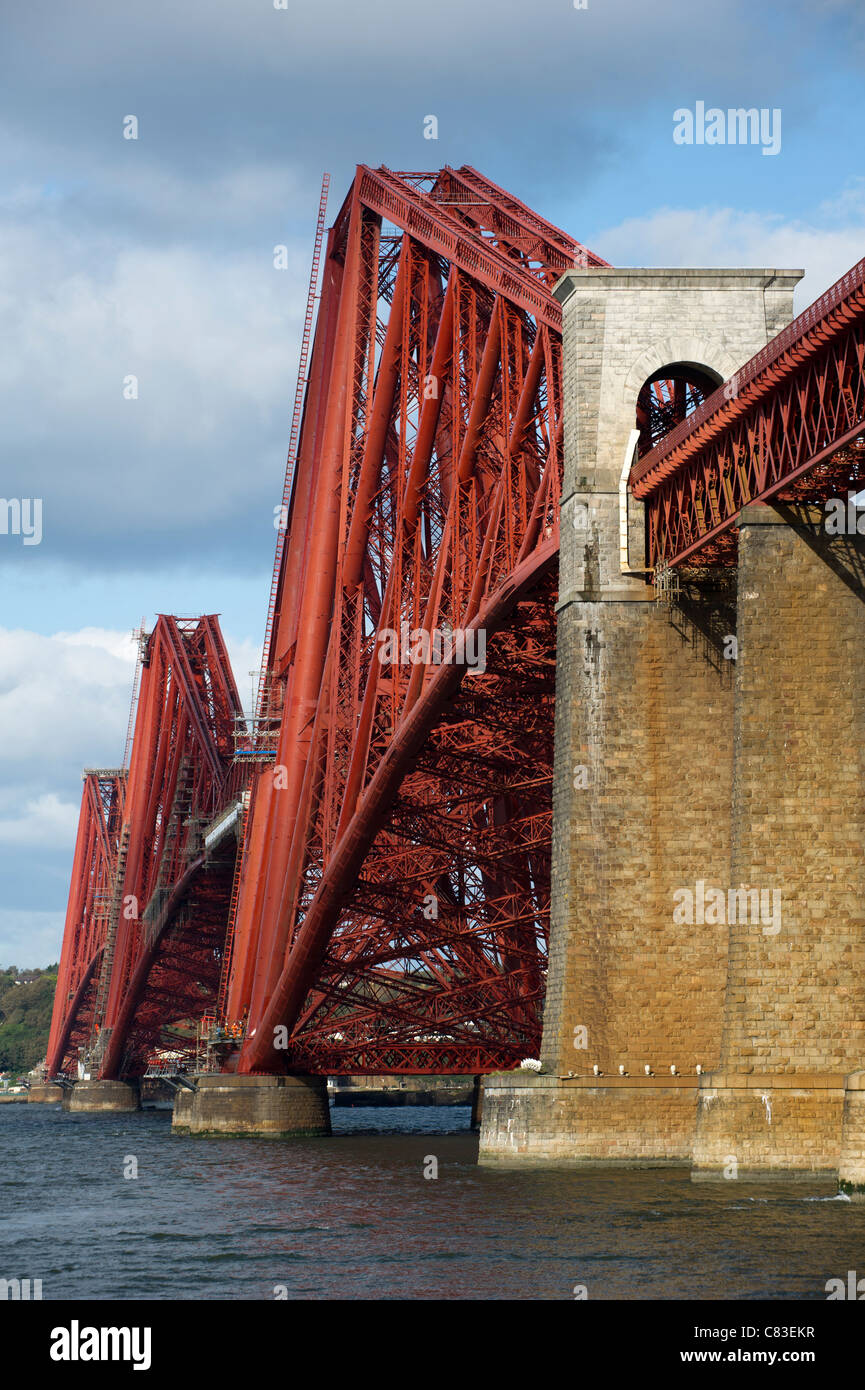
(353,1217)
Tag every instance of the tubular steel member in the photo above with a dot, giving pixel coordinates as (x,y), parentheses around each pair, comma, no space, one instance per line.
(87,913)
(159,952)
(394,894)
(788,427)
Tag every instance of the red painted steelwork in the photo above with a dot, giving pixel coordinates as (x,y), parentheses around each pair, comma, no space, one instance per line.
(147,907)
(394,893)
(87,913)
(782,428)
(392,898)
(170,933)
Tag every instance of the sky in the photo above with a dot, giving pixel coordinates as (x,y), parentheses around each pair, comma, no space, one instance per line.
(153,258)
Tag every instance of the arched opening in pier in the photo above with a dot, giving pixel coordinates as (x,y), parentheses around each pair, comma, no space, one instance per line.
(669,396)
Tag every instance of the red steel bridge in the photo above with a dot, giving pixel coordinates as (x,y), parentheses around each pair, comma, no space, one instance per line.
(358,878)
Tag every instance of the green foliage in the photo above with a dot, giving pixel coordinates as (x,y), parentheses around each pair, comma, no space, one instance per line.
(26,1001)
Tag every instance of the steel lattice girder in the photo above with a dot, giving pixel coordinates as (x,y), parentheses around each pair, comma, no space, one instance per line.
(87,911)
(781,429)
(394,893)
(179,778)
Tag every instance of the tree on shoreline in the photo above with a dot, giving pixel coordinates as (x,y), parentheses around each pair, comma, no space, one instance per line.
(26,1001)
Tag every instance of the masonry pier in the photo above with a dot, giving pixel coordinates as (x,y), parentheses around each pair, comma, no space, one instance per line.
(793,1037)
(645,750)
(97,1096)
(46,1093)
(269,1106)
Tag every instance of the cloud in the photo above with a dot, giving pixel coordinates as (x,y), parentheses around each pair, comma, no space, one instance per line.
(313,43)
(44,821)
(207,337)
(64,704)
(30,940)
(119,645)
(153,258)
(825,245)
(551,89)
(245,658)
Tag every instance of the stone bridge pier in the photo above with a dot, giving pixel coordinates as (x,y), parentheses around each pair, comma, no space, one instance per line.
(787,1096)
(706,993)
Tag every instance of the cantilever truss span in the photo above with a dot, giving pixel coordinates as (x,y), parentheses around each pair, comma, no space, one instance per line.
(389,907)
(394,897)
(146,919)
(88,912)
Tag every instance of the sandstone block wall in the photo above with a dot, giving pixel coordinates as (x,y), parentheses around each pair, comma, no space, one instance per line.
(102,1095)
(619,327)
(768,1127)
(796,996)
(274,1106)
(643,778)
(851,1166)
(542,1119)
(645,719)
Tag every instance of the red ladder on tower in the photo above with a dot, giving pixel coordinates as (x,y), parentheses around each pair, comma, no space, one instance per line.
(292,441)
(222,996)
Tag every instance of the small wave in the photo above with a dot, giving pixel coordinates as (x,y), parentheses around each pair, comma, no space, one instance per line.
(838,1197)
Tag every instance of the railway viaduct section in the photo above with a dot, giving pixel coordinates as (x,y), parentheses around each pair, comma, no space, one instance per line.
(626,846)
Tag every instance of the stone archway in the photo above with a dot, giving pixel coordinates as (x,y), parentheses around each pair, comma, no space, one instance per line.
(670,380)
(668,397)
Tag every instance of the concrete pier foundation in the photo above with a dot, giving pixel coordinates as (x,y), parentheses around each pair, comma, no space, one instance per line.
(45,1094)
(274,1106)
(582,1122)
(97,1096)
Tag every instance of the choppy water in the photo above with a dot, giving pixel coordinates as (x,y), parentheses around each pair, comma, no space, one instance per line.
(353,1217)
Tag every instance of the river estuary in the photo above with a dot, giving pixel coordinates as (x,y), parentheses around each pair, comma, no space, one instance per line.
(355,1217)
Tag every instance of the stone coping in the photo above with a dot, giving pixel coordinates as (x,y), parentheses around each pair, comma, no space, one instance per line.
(503,1080)
(723,1081)
(226,1080)
(783,1081)
(673,278)
(761,514)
